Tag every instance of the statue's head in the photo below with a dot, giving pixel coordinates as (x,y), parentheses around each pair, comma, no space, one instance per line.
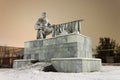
(43,14)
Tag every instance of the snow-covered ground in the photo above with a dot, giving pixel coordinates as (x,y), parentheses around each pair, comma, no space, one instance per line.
(106,73)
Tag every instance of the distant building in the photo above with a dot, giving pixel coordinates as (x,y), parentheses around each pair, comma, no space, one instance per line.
(9,54)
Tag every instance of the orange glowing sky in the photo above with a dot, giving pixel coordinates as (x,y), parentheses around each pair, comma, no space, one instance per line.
(17,18)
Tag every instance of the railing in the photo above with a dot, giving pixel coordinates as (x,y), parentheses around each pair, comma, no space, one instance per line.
(67,28)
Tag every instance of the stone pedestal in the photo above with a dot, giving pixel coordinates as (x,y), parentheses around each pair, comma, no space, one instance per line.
(67,53)
(67,46)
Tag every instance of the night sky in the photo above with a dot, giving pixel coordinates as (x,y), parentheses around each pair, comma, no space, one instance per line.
(17,18)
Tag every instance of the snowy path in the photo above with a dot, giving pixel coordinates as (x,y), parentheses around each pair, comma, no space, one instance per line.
(107,73)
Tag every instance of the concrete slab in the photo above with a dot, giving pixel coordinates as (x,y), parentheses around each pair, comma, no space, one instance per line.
(76,65)
(21,63)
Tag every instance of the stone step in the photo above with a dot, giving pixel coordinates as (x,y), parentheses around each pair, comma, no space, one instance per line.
(33,64)
(76,65)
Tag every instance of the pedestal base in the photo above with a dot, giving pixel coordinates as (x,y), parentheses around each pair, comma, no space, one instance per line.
(21,63)
(76,65)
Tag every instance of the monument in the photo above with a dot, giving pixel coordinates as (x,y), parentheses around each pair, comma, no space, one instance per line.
(68,50)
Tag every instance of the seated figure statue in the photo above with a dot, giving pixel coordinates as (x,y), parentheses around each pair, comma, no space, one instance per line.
(43,27)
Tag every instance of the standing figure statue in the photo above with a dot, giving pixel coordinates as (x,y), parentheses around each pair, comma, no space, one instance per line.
(43,27)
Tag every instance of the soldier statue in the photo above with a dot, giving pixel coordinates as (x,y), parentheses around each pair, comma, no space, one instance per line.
(43,27)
